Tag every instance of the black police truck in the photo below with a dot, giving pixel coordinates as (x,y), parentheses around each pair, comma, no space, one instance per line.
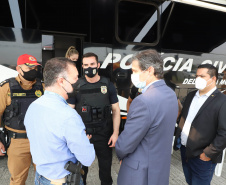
(187,33)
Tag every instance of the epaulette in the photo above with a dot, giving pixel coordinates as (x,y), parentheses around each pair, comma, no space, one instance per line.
(3,82)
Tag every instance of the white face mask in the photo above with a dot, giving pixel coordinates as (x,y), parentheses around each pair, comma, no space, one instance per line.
(201,83)
(135,78)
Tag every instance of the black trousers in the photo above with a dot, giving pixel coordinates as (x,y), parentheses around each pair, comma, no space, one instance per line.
(104,156)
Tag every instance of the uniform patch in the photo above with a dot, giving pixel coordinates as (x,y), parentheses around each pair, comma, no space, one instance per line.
(2,83)
(84,109)
(19,94)
(103,89)
(139,90)
(38,93)
(94,71)
(32,58)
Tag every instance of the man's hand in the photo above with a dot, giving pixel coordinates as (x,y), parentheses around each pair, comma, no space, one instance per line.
(2,148)
(203,157)
(89,136)
(113,140)
(120,162)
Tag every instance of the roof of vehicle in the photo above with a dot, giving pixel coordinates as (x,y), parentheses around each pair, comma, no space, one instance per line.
(219,5)
(223,2)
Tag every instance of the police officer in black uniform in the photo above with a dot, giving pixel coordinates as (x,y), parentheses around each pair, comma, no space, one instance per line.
(96,99)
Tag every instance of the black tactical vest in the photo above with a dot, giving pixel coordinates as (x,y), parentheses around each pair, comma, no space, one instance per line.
(13,116)
(92,103)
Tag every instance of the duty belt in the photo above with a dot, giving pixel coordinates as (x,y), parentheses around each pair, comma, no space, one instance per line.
(16,135)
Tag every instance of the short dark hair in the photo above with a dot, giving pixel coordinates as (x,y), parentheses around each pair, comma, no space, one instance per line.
(90,55)
(54,68)
(150,58)
(212,70)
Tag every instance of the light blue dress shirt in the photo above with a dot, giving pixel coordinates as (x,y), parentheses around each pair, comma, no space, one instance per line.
(57,135)
(144,90)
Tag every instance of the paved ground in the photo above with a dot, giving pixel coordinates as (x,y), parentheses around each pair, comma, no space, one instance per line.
(176,174)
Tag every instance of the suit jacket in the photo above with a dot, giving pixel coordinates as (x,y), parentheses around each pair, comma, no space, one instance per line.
(208,129)
(145,144)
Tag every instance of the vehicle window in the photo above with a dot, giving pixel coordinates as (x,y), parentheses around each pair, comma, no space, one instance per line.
(5,14)
(192,28)
(137,23)
(69,16)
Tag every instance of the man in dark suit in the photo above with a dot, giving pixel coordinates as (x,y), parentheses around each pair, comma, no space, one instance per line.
(201,134)
(145,144)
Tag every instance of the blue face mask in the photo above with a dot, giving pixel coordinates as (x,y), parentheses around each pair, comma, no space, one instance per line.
(136,81)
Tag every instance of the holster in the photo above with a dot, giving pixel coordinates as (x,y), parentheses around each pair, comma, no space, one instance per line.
(4,138)
(76,169)
(73,179)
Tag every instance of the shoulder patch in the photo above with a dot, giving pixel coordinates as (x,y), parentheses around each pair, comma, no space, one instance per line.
(38,93)
(3,82)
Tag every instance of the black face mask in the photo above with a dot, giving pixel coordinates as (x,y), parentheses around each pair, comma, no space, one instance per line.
(30,75)
(75,87)
(91,72)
